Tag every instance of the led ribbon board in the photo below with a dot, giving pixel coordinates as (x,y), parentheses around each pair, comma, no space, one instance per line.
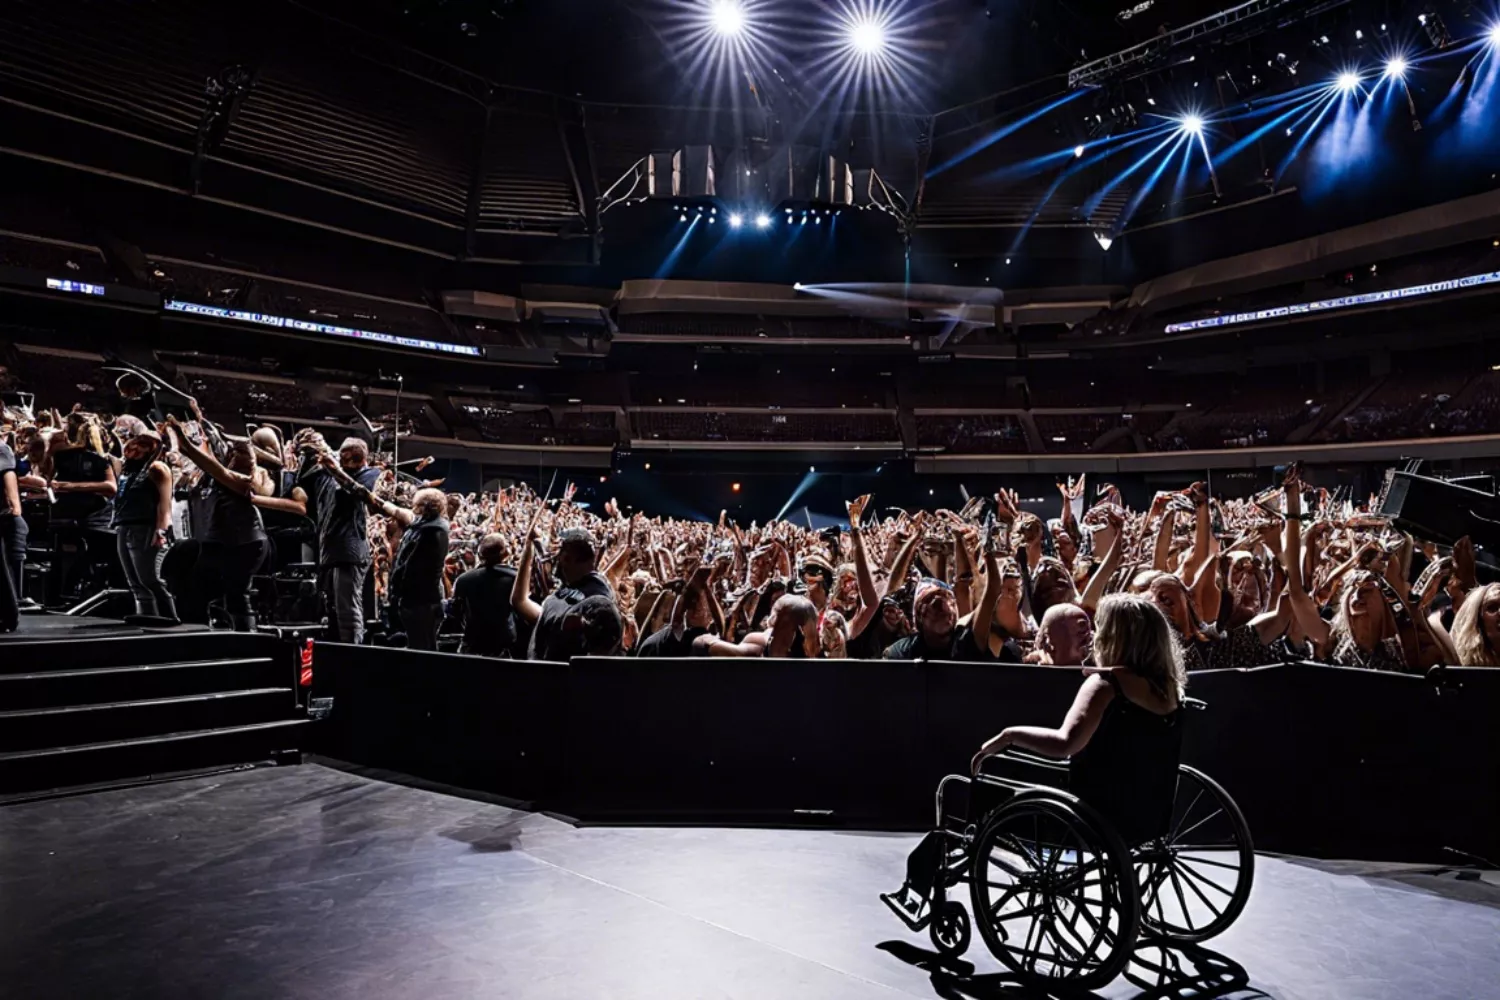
(1334,305)
(305,326)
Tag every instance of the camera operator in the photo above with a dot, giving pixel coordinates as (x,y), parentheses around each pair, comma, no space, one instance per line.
(338,508)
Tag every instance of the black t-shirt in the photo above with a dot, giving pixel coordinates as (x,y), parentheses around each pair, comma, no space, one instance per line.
(417,572)
(665,645)
(79,465)
(343,538)
(546,640)
(959,648)
(7,468)
(482,602)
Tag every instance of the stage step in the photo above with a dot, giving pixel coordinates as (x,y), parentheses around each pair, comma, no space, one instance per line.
(33,728)
(95,685)
(77,708)
(112,760)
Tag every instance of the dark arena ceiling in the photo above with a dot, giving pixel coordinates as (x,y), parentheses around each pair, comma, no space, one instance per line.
(1020,143)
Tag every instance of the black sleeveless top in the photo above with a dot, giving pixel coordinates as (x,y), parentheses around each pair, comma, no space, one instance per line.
(1128,771)
(229,518)
(135,498)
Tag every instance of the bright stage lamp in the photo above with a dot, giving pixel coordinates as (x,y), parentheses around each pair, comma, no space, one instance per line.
(1347,82)
(736,221)
(1495,36)
(762,221)
(1396,68)
(867,37)
(1192,125)
(727,17)
(1078,151)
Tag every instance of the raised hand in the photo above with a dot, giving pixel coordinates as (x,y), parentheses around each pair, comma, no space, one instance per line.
(857,509)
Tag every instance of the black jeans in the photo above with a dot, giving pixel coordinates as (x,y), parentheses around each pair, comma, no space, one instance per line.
(12,559)
(229,569)
(421,622)
(142,562)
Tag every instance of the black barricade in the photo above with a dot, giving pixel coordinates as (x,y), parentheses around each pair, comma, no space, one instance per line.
(1323,760)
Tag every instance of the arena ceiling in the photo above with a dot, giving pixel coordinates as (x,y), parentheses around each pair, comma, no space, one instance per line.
(494,132)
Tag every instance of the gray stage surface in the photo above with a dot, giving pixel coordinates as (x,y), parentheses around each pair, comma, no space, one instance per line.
(310,882)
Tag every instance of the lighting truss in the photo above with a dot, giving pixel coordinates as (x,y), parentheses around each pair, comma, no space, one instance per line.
(1149,54)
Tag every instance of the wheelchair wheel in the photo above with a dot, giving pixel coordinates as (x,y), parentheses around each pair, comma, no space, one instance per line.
(1195,882)
(949,929)
(1053,892)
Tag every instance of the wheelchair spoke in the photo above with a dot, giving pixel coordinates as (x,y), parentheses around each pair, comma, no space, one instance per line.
(1199,892)
(1216,812)
(1187,916)
(1185,813)
(1181,856)
(1182,863)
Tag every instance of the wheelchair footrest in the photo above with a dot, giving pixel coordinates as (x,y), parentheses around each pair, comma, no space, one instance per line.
(908,907)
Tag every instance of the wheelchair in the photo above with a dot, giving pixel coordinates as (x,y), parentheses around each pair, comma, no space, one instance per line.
(1063,895)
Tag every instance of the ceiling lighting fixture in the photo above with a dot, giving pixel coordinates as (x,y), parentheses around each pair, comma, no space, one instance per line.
(727,17)
(867,36)
(1347,82)
(1396,68)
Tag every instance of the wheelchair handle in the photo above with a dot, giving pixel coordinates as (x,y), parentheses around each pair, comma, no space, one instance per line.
(1196,704)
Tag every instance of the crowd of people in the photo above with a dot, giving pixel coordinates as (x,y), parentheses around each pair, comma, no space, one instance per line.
(1295,574)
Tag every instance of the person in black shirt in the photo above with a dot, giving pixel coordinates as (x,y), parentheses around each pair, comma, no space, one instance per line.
(142,515)
(82,478)
(692,616)
(481,602)
(416,587)
(577,581)
(12,541)
(338,493)
(940,637)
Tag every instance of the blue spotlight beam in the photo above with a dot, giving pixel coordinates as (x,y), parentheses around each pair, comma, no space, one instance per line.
(1003,132)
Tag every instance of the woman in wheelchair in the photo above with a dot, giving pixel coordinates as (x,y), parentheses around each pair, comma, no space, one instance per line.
(1068,866)
(1122,733)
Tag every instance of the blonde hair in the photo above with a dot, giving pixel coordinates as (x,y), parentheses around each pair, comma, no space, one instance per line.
(1474,648)
(1130,631)
(429,503)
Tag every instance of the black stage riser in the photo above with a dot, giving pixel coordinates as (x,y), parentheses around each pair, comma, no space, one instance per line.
(1324,761)
(82,711)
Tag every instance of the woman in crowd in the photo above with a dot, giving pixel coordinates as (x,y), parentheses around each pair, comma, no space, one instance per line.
(233,536)
(142,522)
(1476,628)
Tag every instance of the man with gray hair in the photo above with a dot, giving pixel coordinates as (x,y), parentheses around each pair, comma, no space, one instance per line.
(338,493)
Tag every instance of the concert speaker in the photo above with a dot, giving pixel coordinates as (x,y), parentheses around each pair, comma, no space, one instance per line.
(1440,511)
(837,182)
(695,172)
(795,174)
(660,175)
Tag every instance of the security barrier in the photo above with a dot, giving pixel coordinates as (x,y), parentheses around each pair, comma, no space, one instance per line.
(1324,761)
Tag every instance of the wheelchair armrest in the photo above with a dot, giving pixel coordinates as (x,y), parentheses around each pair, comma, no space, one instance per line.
(1196,704)
(1034,759)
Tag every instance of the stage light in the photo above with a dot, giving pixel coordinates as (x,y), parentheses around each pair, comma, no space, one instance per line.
(727,17)
(1495,36)
(736,221)
(796,286)
(1078,151)
(1191,124)
(682,218)
(735,487)
(1105,240)
(762,221)
(867,36)
(1347,82)
(1396,68)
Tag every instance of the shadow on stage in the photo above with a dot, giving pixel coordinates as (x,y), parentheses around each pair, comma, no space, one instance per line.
(1158,972)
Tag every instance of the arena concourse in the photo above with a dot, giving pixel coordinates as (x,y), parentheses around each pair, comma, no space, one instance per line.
(750,498)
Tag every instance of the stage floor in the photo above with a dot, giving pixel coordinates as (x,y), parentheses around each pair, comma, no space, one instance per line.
(309,882)
(47,627)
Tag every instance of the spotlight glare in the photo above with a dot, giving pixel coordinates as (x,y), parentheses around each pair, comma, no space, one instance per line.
(1396,68)
(1348,82)
(736,221)
(1191,124)
(1077,151)
(867,36)
(1495,35)
(727,17)
(1105,240)
(762,221)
